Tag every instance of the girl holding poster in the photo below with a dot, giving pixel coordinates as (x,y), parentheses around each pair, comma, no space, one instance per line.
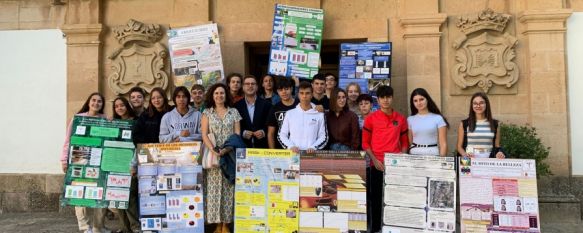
(479,134)
(93,107)
(427,126)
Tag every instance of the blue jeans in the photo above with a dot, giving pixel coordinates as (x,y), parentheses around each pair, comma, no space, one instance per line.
(339,146)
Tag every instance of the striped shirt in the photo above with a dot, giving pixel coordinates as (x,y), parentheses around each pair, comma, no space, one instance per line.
(480,142)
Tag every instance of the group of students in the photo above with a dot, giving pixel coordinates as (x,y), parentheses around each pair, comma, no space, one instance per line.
(280,113)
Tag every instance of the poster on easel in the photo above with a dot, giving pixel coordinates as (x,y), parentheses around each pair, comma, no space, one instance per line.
(170,187)
(98,165)
(498,195)
(419,194)
(266,191)
(296,41)
(333,191)
(195,55)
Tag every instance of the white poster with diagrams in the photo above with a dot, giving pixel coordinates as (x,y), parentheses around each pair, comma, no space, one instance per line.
(195,54)
(498,195)
(419,194)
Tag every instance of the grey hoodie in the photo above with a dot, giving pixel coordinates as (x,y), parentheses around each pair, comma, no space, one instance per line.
(173,123)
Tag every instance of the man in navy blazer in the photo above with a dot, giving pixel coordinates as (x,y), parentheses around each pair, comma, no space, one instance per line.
(254,111)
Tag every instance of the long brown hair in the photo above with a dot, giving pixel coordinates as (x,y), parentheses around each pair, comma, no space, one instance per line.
(431,106)
(334,100)
(126,103)
(165,106)
(85,107)
(488,112)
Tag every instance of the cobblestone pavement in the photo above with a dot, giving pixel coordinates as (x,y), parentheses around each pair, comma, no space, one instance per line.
(53,222)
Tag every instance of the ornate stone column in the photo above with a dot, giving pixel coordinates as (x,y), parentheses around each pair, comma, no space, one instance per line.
(544,31)
(422,35)
(83,71)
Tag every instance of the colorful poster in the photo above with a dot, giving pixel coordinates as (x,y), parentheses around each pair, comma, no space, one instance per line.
(170,187)
(365,61)
(98,167)
(419,194)
(296,41)
(333,191)
(498,195)
(267,191)
(195,54)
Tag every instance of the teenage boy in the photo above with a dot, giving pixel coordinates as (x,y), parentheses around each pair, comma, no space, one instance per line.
(277,114)
(384,131)
(319,97)
(197,97)
(137,95)
(303,127)
(254,111)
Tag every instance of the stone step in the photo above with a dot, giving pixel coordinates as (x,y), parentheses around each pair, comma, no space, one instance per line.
(559,209)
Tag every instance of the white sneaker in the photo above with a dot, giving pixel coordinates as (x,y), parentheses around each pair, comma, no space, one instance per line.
(88,231)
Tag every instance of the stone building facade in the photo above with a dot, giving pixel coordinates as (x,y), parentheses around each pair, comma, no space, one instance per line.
(513,49)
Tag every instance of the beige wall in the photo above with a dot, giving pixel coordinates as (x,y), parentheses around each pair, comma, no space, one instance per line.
(422,32)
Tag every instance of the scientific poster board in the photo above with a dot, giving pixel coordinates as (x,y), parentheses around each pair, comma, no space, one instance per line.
(195,55)
(266,191)
(498,195)
(98,166)
(419,194)
(365,60)
(170,187)
(296,41)
(333,191)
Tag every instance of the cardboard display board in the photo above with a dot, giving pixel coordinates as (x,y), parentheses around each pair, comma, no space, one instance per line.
(195,55)
(170,187)
(333,191)
(98,170)
(296,41)
(419,194)
(266,191)
(498,195)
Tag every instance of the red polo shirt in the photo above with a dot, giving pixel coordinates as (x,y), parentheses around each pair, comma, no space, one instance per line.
(384,133)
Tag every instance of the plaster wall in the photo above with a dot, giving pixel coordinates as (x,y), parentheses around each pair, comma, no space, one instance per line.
(33,84)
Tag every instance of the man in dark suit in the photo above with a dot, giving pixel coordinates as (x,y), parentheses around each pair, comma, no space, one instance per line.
(254,111)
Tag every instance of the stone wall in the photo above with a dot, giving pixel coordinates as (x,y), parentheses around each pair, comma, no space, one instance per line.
(422,31)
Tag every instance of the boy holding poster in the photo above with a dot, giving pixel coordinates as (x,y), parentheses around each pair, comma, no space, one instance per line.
(384,131)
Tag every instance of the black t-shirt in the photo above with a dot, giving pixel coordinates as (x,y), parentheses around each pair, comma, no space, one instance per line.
(325,102)
(276,116)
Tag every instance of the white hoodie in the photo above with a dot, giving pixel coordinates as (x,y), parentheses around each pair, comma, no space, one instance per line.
(173,123)
(303,129)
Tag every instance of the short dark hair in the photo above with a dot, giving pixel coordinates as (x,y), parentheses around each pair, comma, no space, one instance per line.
(247,77)
(385,91)
(210,101)
(138,89)
(331,74)
(305,85)
(319,76)
(364,97)
(184,91)
(197,87)
(228,82)
(283,82)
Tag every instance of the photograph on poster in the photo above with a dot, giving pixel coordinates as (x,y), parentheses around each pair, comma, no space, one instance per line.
(419,193)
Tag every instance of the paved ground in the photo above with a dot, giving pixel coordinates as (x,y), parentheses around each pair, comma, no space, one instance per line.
(53,222)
